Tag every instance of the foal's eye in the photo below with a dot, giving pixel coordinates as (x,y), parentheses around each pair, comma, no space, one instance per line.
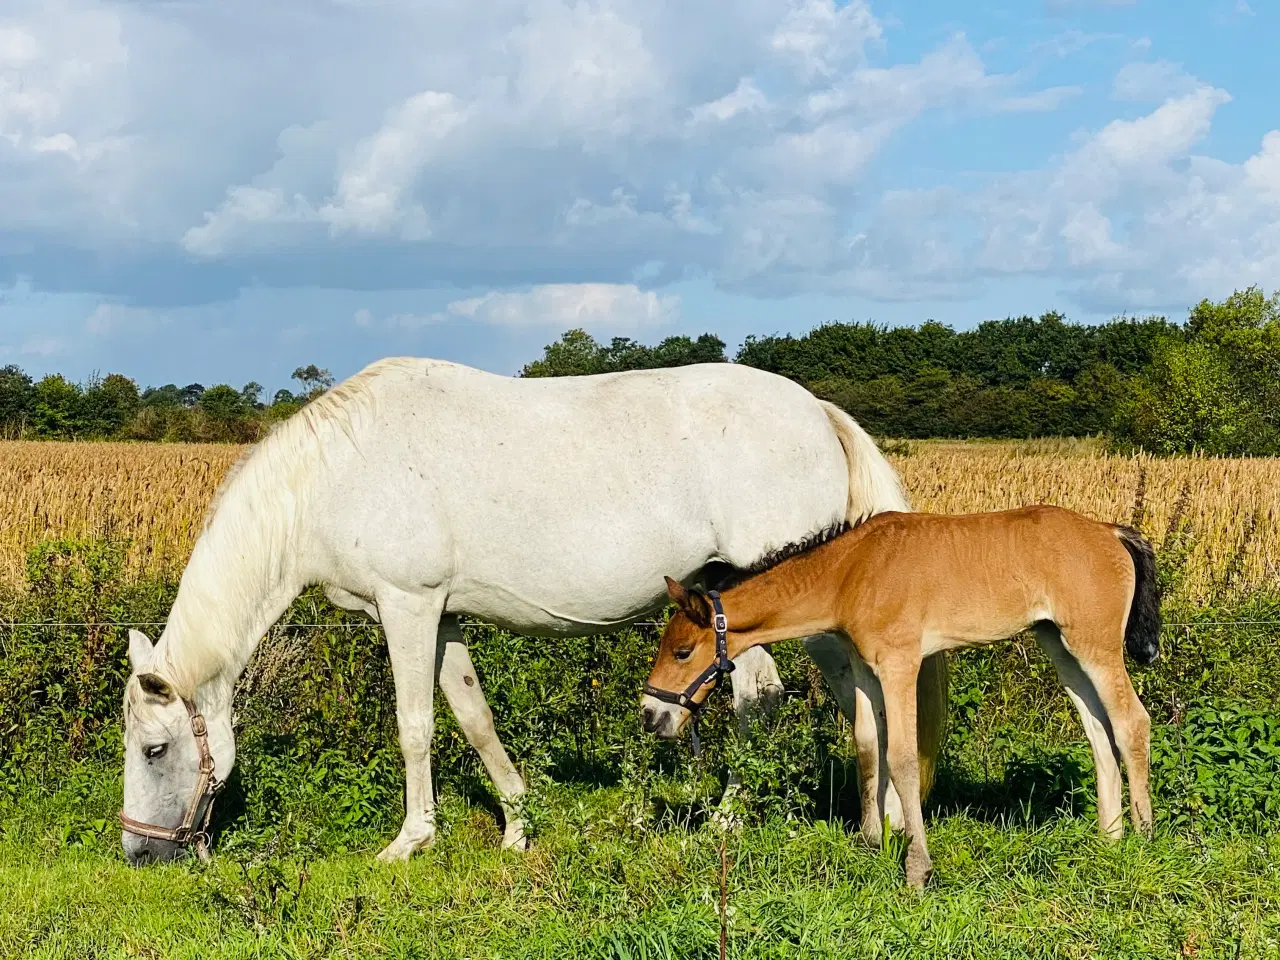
(683,655)
(156,752)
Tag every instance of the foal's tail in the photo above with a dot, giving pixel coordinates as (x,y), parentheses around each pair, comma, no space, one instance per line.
(1142,632)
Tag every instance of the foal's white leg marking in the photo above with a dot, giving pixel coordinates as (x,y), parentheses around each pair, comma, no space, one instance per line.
(1097,728)
(461,686)
(879,795)
(411,623)
(834,656)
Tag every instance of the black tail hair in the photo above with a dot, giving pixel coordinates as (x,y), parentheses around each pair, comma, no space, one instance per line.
(1142,632)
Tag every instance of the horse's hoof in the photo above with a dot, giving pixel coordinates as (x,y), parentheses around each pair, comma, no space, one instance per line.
(514,839)
(403,847)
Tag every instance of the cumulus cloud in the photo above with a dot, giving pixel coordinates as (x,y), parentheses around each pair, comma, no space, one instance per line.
(1152,82)
(563,305)
(568,149)
(1132,215)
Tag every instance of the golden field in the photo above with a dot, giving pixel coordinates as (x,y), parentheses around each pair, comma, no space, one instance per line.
(1224,513)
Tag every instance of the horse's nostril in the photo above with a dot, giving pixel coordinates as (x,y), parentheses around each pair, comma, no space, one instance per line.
(648,719)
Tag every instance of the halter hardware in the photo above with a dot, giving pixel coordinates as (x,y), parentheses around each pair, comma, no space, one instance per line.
(207,788)
(719,667)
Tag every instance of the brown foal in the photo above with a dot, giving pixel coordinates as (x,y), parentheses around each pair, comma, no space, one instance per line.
(903,586)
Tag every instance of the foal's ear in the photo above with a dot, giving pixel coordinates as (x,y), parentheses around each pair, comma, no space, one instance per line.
(692,604)
(139,650)
(155,687)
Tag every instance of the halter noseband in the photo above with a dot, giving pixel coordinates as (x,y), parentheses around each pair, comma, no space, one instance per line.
(719,667)
(207,787)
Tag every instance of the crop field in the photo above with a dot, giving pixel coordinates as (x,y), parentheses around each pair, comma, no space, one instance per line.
(625,859)
(1224,514)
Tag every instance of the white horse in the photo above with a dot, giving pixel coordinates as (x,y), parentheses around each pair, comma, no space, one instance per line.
(419,490)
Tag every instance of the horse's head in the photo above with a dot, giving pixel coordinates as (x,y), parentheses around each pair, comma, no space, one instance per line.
(687,654)
(163,784)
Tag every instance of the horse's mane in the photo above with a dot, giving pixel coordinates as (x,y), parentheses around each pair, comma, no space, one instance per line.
(736,576)
(273,478)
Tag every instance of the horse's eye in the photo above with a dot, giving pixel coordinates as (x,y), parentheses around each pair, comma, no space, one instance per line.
(156,752)
(683,655)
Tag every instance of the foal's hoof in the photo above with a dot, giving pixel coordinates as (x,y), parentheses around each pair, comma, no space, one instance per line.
(919,869)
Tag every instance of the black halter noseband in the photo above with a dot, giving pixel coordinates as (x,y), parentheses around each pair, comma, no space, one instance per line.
(719,667)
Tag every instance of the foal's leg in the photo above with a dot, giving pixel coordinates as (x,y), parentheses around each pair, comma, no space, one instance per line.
(411,622)
(1130,725)
(899,670)
(857,692)
(1097,727)
(460,684)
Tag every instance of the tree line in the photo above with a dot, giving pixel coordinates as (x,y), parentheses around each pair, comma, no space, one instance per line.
(1210,383)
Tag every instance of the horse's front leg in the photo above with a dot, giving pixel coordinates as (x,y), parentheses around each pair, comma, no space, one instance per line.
(411,623)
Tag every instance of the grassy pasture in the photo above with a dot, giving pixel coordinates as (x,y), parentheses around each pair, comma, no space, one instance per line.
(625,862)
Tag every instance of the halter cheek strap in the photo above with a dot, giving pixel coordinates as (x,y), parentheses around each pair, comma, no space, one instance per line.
(207,786)
(719,667)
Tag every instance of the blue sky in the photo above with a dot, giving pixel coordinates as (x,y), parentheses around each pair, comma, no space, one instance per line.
(221,190)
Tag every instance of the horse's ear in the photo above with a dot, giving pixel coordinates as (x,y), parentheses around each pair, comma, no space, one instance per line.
(139,650)
(677,592)
(153,686)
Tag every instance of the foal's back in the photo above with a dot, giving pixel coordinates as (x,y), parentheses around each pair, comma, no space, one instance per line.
(975,578)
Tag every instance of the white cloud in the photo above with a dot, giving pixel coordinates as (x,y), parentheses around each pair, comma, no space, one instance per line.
(43,347)
(820,37)
(564,305)
(371,191)
(1131,216)
(745,98)
(487,147)
(1152,82)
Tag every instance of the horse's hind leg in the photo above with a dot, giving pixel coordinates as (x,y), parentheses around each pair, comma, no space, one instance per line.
(461,686)
(1097,727)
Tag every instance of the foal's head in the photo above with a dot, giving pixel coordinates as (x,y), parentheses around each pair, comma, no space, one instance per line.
(688,647)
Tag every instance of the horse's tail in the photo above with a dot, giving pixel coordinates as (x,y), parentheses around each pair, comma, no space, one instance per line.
(1142,632)
(874,487)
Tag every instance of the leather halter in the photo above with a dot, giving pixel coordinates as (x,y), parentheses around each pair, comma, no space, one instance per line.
(719,667)
(207,788)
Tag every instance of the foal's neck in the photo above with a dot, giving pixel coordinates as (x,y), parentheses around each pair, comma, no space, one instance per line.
(797,598)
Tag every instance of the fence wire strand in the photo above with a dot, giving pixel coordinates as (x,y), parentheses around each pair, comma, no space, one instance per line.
(338,624)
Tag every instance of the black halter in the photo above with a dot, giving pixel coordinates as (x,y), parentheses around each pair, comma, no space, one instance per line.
(719,667)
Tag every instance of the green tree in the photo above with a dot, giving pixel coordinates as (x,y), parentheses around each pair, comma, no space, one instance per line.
(108,405)
(576,353)
(315,380)
(55,407)
(16,397)
(1217,387)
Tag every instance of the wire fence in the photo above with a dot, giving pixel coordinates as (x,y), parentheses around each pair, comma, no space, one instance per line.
(1180,625)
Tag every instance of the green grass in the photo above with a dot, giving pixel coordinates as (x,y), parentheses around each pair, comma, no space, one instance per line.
(607,879)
